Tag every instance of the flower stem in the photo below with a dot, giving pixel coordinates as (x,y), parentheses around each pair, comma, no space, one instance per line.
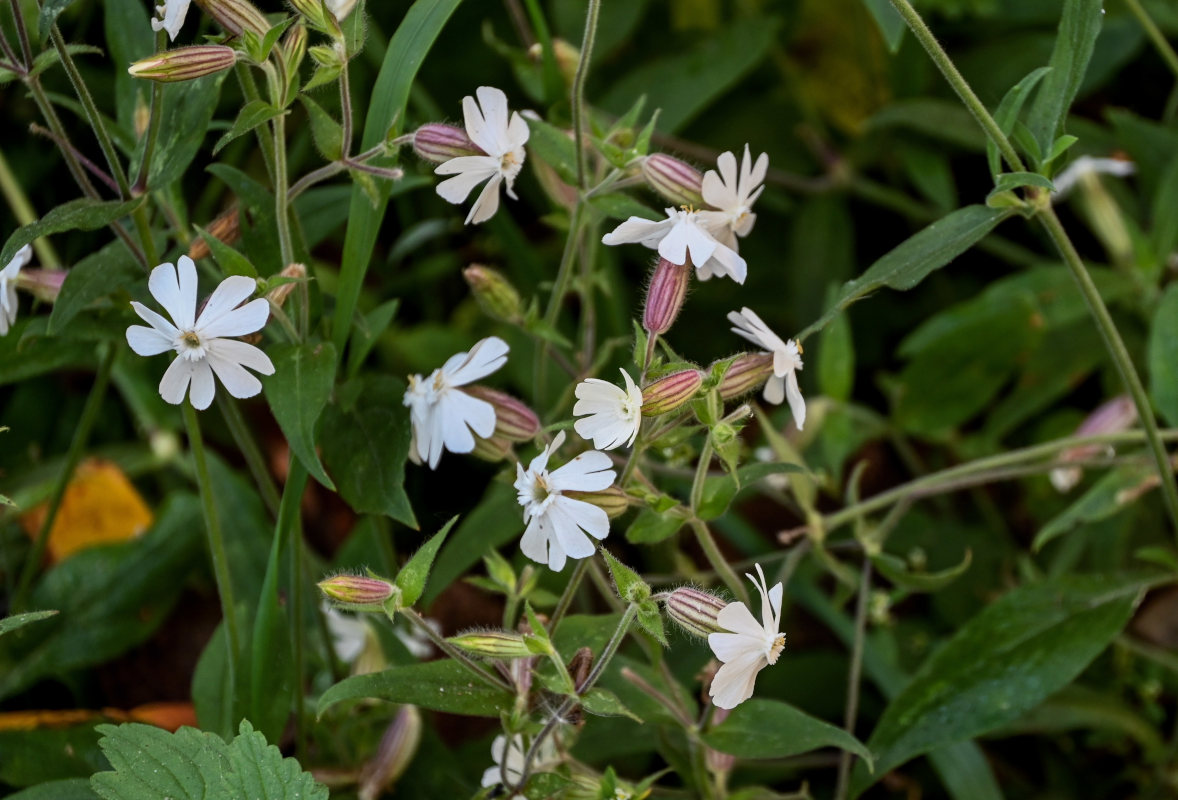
(249,89)
(578,99)
(281,211)
(73,456)
(153,124)
(1155,35)
(854,674)
(472,666)
(217,551)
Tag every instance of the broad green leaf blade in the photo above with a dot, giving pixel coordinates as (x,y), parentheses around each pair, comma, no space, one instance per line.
(82,214)
(604,703)
(719,491)
(95,276)
(298,392)
(1008,110)
(769,729)
(257,771)
(1018,651)
(911,262)
(1069,61)
(1163,356)
(327,134)
(187,111)
(438,685)
(9,624)
(412,577)
(650,526)
(891,24)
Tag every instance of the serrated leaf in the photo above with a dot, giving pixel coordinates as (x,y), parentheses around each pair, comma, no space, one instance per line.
(83,214)
(9,624)
(298,392)
(412,577)
(252,114)
(437,685)
(720,490)
(769,729)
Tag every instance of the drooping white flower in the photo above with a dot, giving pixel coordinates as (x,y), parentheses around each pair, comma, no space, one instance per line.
(557,525)
(684,233)
(8,287)
(1085,166)
(502,140)
(749,648)
(443,416)
(200,342)
(172,14)
(733,195)
(787,360)
(614,414)
(509,757)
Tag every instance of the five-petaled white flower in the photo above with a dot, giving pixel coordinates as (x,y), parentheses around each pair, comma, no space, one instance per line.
(787,360)
(172,13)
(443,415)
(557,524)
(685,232)
(200,342)
(502,140)
(614,414)
(733,195)
(750,647)
(8,287)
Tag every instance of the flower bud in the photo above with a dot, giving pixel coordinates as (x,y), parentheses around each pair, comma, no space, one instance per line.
(494,293)
(1113,416)
(665,295)
(492,644)
(567,57)
(279,293)
(185,63)
(397,748)
(670,392)
(314,11)
(614,501)
(294,47)
(514,421)
(225,227)
(493,448)
(236,16)
(696,611)
(359,592)
(746,373)
(44,284)
(439,143)
(675,180)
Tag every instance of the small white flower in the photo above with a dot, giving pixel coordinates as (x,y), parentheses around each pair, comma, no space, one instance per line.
(557,524)
(733,195)
(750,647)
(615,414)
(509,759)
(787,360)
(443,416)
(1084,166)
(684,233)
(200,342)
(341,8)
(172,14)
(501,139)
(8,287)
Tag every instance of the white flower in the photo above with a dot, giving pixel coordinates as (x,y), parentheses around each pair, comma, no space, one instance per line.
(614,413)
(750,647)
(8,287)
(1085,166)
(787,360)
(341,8)
(349,633)
(734,195)
(684,233)
(502,140)
(443,415)
(557,524)
(200,342)
(172,13)
(509,759)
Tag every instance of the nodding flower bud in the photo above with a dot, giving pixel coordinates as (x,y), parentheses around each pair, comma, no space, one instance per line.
(746,373)
(439,143)
(313,11)
(1113,416)
(236,16)
(397,748)
(44,284)
(514,421)
(670,392)
(185,63)
(676,180)
(492,644)
(359,592)
(665,295)
(494,293)
(695,611)
(614,501)
(226,228)
(279,293)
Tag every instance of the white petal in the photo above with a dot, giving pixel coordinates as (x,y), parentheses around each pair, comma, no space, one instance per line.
(534,543)
(591,471)
(155,320)
(455,190)
(725,262)
(737,618)
(748,325)
(22,257)
(174,13)
(234,377)
(517,131)
(573,541)
(484,166)
(585,516)
(148,341)
(735,680)
(431,444)
(638,230)
(797,404)
(229,294)
(238,322)
(203,387)
(774,390)
(480,361)
(174,287)
(174,384)
(7,308)
(731,646)
(494,105)
(459,412)
(487,203)
(604,431)
(242,353)
(683,238)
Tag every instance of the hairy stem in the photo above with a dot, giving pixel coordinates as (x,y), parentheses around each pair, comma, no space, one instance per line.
(854,674)
(472,666)
(570,591)
(578,99)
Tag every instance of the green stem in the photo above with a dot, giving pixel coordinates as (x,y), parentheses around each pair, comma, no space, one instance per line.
(701,474)
(472,666)
(22,209)
(566,597)
(578,99)
(281,211)
(712,551)
(1155,35)
(217,550)
(254,459)
(296,484)
(249,90)
(73,456)
(21,33)
(854,674)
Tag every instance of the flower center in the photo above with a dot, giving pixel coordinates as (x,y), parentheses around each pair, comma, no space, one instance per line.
(542,495)
(775,648)
(190,346)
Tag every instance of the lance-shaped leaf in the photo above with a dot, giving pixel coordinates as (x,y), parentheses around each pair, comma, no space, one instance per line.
(411,579)
(437,685)
(298,392)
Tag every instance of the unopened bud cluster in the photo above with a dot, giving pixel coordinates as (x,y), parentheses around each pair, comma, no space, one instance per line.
(185,63)
(695,610)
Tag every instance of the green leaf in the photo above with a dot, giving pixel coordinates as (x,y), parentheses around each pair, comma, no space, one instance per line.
(365,445)
(327,134)
(836,360)
(1016,652)
(411,579)
(1008,110)
(604,703)
(298,392)
(911,262)
(50,10)
(769,729)
(9,624)
(554,147)
(1007,181)
(228,259)
(1069,61)
(252,114)
(83,214)
(631,588)
(67,789)
(150,763)
(98,275)
(368,329)
(1164,213)
(1163,356)
(187,110)
(896,571)
(891,24)
(1109,495)
(651,620)
(720,490)
(651,526)
(437,685)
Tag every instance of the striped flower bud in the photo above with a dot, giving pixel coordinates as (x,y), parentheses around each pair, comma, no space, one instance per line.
(44,284)
(294,47)
(226,228)
(236,16)
(665,296)
(614,501)
(670,392)
(185,63)
(696,611)
(514,421)
(397,748)
(494,293)
(676,180)
(746,373)
(359,592)
(492,644)
(314,11)
(439,143)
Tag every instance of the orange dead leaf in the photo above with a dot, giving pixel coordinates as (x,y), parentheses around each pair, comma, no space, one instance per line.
(169,716)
